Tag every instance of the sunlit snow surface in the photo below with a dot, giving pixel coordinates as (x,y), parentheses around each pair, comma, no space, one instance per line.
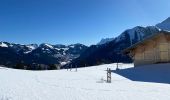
(85,84)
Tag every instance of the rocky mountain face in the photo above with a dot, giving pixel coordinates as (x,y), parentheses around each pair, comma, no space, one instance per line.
(112,51)
(11,54)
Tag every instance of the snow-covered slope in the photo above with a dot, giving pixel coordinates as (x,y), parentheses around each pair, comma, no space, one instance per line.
(165,25)
(63,52)
(85,84)
(30,48)
(19,48)
(2,44)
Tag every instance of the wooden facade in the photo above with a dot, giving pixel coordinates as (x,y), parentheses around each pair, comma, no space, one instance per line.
(155,49)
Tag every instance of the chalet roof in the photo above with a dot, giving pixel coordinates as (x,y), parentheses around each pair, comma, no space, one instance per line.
(127,50)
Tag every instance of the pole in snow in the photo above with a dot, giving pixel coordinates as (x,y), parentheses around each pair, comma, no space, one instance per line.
(71,68)
(76,68)
(67,67)
(109,77)
(117,66)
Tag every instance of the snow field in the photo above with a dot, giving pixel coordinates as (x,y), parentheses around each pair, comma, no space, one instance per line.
(86,84)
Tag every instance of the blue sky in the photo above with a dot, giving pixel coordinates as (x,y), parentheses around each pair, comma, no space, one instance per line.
(75,21)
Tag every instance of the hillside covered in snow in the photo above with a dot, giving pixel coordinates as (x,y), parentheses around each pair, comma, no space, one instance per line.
(128,83)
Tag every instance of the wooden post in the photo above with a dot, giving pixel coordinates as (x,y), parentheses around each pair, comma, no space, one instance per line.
(107,75)
(67,67)
(117,62)
(71,68)
(109,78)
(76,68)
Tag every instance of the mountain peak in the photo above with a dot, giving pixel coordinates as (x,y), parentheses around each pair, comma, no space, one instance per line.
(167,20)
(46,45)
(105,40)
(32,46)
(165,25)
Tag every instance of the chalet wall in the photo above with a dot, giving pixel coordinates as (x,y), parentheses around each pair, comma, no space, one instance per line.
(153,51)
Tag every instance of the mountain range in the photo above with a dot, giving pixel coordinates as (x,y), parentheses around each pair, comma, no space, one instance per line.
(111,50)
(108,50)
(12,54)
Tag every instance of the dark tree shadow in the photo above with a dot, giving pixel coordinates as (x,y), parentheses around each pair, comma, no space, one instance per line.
(157,73)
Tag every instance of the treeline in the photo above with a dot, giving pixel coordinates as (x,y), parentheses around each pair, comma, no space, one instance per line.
(37,66)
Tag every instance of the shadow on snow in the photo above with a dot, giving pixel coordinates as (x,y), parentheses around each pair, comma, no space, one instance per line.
(157,73)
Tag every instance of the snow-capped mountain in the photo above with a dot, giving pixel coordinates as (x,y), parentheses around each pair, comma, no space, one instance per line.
(105,40)
(11,53)
(165,25)
(135,34)
(32,46)
(60,53)
(18,48)
(74,49)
